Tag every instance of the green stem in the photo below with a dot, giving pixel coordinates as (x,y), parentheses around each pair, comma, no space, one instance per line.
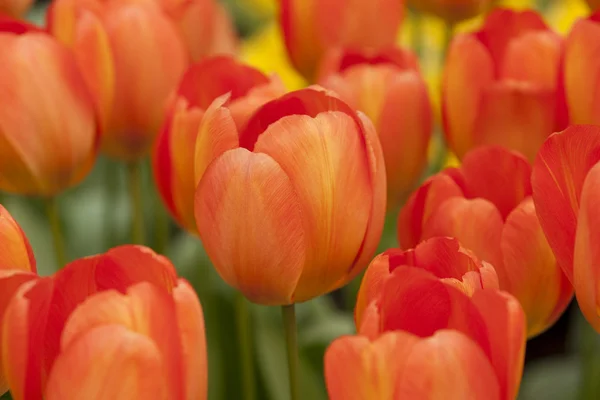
(111,172)
(53,215)
(134,171)
(161,228)
(589,343)
(245,340)
(291,337)
(448,32)
(417,33)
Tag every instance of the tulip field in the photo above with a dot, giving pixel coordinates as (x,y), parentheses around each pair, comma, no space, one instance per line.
(300,199)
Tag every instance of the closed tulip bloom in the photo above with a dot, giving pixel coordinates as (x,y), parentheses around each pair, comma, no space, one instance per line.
(452,11)
(566,191)
(15,8)
(503,85)
(422,301)
(17,266)
(297,210)
(388,87)
(311,27)
(487,206)
(132,58)
(204,25)
(114,326)
(174,155)
(48,131)
(580,68)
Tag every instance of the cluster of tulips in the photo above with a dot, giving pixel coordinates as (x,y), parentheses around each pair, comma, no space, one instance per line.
(288,192)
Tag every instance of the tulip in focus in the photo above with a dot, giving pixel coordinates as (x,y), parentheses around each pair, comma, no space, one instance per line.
(434,326)
(114,326)
(503,85)
(174,158)
(204,26)
(311,27)
(132,58)
(487,206)
(452,11)
(581,70)
(17,266)
(389,89)
(566,192)
(15,8)
(296,210)
(48,135)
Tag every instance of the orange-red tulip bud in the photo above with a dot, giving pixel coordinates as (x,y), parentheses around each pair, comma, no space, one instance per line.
(487,206)
(14,8)
(452,10)
(312,27)
(297,209)
(580,68)
(175,159)
(389,89)
(503,85)
(48,131)
(566,192)
(132,58)
(119,325)
(429,298)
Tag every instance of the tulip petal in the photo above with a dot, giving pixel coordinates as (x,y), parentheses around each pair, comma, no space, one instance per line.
(476,224)
(372,283)
(15,250)
(557,179)
(357,369)
(323,157)
(190,320)
(498,175)
(586,267)
(468,71)
(533,276)
(108,363)
(420,207)
(249,219)
(581,67)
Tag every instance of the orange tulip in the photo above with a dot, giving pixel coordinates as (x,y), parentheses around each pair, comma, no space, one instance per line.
(174,155)
(566,191)
(48,132)
(580,68)
(312,27)
(132,58)
(389,89)
(17,266)
(204,25)
(114,326)
(452,11)
(593,4)
(424,301)
(297,209)
(503,85)
(15,8)
(487,206)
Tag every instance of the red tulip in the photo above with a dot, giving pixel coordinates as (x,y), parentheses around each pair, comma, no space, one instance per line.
(565,185)
(487,206)
(452,10)
(581,65)
(416,301)
(132,59)
(312,27)
(15,8)
(114,326)
(48,134)
(298,209)
(389,89)
(503,85)
(175,157)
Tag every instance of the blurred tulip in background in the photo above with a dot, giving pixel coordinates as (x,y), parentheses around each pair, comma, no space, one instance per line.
(296,210)
(48,138)
(15,8)
(387,86)
(487,206)
(503,85)
(452,10)
(186,146)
